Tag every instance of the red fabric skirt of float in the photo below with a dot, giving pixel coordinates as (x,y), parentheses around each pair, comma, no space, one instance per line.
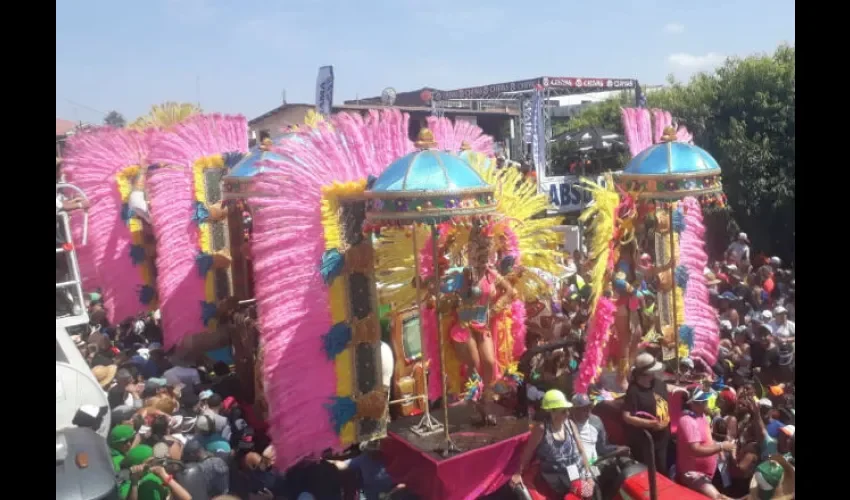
(465,476)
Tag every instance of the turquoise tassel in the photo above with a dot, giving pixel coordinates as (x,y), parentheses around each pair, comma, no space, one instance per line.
(146,294)
(200,213)
(686,335)
(126,213)
(342,411)
(332,265)
(232,158)
(137,254)
(336,339)
(681,275)
(208,311)
(204,262)
(679,224)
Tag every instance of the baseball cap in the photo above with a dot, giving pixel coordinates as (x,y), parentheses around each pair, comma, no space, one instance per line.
(765,403)
(687,362)
(779,310)
(725,324)
(697,395)
(192,450)
(743,236)
(205,394)
(137,455)
(214,400)
(121,434)
(766,316)
(580,400)
(152,385)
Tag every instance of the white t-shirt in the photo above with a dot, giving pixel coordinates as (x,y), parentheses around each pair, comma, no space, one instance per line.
(588,435)
(182,375)
(785,330)
(739,251)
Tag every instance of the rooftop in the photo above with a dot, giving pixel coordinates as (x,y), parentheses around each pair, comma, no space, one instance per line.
(64,126)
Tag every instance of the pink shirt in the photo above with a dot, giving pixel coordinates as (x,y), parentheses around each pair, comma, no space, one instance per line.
(693,430)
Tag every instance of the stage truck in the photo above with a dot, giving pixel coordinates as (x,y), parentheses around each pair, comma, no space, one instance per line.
(83,464)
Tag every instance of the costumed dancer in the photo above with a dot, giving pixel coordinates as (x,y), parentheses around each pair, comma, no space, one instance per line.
(483,296)
(630,284)
(485,274)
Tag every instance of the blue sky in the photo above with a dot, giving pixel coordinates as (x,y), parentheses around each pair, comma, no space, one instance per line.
(127,55)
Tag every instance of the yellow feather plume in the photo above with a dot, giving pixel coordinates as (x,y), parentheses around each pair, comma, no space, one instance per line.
(518,200)
(599,220)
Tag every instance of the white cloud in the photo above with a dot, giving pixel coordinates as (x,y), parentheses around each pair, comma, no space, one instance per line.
(692,62)
(674,28)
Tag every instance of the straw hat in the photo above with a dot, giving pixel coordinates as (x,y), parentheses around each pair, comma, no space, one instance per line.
(104,374)
(774,480)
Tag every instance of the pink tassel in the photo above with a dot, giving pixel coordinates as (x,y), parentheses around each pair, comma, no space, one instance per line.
(92,160)
(518,328)
(597,345)
(698,311)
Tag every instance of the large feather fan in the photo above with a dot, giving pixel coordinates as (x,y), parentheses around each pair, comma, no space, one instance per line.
(92,161)
(171,190)
(289,240)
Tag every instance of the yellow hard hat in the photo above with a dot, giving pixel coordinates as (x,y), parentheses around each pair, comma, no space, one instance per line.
(554,400)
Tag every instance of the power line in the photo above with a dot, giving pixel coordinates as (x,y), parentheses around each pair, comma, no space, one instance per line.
(69,101)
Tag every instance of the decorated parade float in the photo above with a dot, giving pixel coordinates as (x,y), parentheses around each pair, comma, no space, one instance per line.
(200,278)
(355,215)
(649,243)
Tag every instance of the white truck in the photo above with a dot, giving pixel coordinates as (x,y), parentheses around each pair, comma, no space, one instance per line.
(83,464)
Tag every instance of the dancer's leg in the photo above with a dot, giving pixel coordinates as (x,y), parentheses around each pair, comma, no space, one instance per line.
(487,354)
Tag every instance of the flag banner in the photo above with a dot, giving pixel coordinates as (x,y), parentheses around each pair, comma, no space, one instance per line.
(325,90)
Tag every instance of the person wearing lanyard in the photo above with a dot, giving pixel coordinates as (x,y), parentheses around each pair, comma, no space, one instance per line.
(564,469)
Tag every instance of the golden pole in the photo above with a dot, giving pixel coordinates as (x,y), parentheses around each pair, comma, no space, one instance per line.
(428,424)
(674,291)
(449,446)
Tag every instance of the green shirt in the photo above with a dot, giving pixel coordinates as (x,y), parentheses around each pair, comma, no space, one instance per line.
(117,458)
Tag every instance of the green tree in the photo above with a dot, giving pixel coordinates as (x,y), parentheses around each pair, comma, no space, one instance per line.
(114,119)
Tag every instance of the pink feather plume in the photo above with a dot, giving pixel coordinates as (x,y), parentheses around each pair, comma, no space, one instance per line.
(637,128)
(288,245)
(597,346)
(450,135)
(171,190)
(92,160)
(699,314)
(518,328)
